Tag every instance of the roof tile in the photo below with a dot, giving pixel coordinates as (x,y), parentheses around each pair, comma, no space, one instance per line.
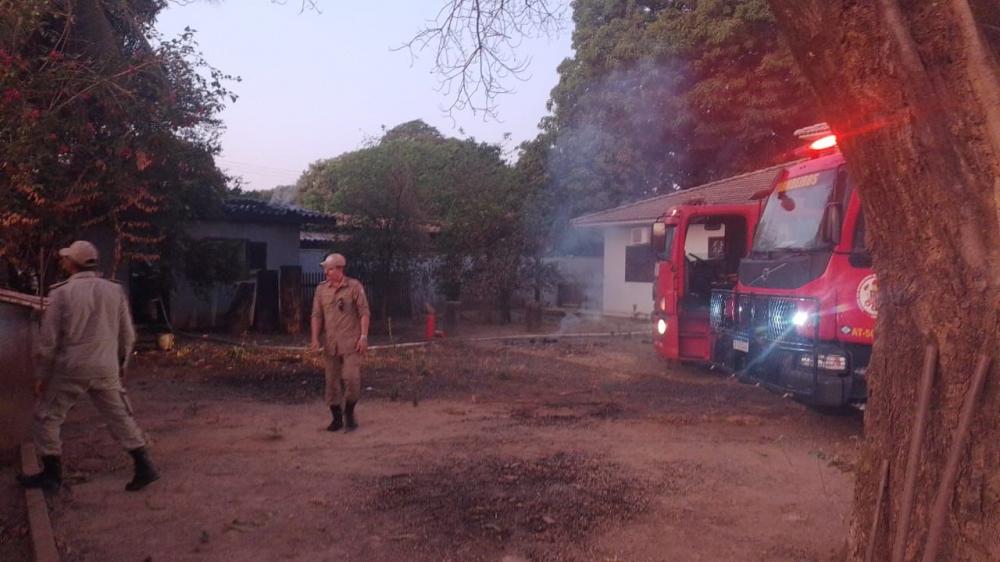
(735,190)
(256,210)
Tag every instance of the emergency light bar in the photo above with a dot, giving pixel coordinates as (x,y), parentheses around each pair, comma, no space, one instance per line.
(813,132)
(823,143)
(821,137)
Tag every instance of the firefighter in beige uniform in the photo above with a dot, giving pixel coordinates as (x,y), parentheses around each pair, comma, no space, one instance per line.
(340,313)
(85,340)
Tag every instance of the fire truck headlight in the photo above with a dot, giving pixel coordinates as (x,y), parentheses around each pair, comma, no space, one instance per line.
(661,326)
(800,318)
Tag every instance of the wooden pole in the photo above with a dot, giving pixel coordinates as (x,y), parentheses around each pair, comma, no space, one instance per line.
(913,458)
(877,518)
(939,512)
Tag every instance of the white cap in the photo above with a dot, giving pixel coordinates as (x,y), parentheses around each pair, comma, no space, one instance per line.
(81,253)
(333,260)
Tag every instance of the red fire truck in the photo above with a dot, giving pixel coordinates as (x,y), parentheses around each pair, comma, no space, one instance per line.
(802,314)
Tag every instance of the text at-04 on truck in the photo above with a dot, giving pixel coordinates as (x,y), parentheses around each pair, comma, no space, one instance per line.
(801,318)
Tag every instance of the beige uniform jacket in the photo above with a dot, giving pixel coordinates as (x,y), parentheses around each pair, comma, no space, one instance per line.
(340,308)
(86,330)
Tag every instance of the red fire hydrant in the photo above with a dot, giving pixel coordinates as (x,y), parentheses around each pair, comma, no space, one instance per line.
(430,327)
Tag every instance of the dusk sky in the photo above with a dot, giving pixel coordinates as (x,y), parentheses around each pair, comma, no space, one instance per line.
(318,84)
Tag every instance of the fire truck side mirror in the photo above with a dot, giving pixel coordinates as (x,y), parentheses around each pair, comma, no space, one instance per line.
(832,220)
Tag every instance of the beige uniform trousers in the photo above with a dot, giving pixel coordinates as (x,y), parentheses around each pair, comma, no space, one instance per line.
(343,378)
(107,395)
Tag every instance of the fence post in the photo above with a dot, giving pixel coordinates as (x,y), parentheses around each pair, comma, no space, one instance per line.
(310,280)
(291,302)
(266,307)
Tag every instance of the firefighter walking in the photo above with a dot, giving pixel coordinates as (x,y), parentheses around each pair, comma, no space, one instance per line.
(85,341)
(340,314)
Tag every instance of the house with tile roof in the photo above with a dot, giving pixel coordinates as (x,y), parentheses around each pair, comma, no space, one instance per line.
(628,264)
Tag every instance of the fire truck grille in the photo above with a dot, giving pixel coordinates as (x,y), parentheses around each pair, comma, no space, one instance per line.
(779,318)
(771,317)
(720,309)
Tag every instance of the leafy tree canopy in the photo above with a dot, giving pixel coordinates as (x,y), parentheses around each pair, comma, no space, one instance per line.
(664,94)
(414,191)
(102,125)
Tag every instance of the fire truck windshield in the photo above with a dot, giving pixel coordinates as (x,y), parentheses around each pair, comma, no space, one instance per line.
(794,213)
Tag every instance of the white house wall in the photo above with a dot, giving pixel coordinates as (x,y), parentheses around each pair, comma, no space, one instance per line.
(310,259)
(621,298)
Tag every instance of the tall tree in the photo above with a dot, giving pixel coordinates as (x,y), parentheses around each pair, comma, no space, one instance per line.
(913,88)
(663,95)
(666,94)
(414,193)
(100,129)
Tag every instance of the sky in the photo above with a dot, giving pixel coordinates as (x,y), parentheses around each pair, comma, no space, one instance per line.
(315,85)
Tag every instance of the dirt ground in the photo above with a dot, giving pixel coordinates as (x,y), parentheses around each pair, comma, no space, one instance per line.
(535,450)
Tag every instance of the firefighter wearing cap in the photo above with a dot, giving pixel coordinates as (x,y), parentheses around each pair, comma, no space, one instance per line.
(84,344)
(340,314)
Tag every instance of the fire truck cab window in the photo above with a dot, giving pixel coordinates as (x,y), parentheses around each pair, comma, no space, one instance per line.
(794,213)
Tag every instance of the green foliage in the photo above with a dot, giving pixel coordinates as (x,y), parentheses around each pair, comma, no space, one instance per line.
(101,129)
(667,94)
(415,194)
(208,263)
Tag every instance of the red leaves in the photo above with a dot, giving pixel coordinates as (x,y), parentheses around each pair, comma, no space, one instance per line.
(12,95)
(142,160)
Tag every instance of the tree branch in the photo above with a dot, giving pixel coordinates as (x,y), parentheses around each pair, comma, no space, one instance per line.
(981,70)
(476,47)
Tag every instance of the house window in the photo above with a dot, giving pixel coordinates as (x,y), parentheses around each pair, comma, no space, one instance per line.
(639,264)
(256,255)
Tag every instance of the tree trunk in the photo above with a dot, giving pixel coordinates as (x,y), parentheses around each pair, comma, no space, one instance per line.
(913,92)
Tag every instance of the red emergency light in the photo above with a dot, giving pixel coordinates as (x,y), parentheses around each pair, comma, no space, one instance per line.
(824,143)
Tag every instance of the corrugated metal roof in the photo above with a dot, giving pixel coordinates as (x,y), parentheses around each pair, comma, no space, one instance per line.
(253,210)
(730,191)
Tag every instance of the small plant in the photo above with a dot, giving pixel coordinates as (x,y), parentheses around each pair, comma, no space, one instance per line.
(239,352)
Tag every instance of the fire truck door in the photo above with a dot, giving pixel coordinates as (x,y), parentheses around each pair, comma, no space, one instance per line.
(668,284)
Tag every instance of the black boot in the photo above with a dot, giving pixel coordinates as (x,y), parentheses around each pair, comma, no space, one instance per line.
(338,419)
(145,472)
(352,422)
(49,479)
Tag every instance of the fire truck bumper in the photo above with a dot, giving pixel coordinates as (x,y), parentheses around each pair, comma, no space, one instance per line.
(821,377)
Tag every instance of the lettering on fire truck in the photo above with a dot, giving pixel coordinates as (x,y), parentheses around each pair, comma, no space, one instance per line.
(807,180)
